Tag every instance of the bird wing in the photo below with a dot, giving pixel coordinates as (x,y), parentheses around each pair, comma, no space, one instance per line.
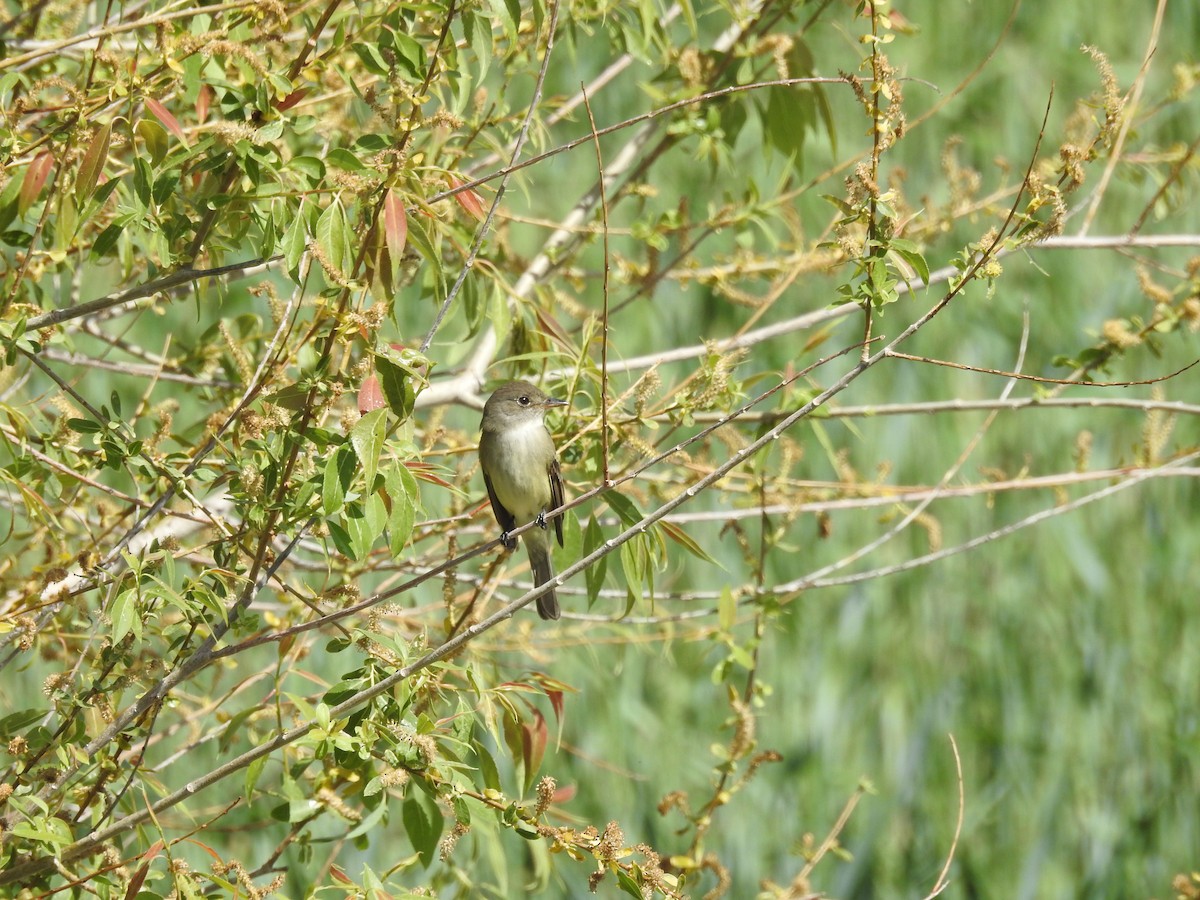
(503,517)
(556,496)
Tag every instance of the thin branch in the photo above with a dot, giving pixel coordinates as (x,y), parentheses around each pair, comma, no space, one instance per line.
(1042,380)
(1130,107)
(943,878)
(604,434)
(808,582)
(158,285)
(98,34)
(491,213)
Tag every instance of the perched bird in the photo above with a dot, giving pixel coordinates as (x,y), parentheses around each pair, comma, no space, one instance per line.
(520,469)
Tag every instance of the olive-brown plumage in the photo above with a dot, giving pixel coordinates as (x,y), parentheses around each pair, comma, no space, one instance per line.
(520,469)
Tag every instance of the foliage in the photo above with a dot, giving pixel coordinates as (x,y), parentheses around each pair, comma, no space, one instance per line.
(260,263)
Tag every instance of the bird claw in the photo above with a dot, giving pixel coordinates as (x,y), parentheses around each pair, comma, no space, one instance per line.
(541,520)
(509,543)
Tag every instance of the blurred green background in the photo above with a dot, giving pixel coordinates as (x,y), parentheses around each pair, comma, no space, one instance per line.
(1062,659)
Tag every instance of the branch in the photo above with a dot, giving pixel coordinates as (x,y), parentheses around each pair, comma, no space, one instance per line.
(165,283)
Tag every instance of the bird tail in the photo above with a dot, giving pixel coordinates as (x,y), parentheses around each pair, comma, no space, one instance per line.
(543,571)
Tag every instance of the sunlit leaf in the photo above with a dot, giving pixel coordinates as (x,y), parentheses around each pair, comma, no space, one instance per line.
(367,438)
(370,395)
(395,225)
(163,115)
(93,162)
(35,179)
(469,200)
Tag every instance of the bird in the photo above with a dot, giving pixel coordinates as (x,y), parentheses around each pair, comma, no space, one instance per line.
(522,474)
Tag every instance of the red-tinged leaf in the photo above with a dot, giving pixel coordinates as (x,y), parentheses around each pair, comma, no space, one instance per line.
(138,879)
(370,395)
(469,200)
(556,701)
(163,115)
(203,102)
(291,99)
(207,849)
(533,746)
(34,181)
(432,479)
(395,225)
(523,687)
(549,326)
(564,794)
(685,540)
(339,875)
(93,162)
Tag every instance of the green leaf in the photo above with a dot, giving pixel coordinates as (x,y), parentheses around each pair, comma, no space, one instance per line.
(338,476)
(401,489)
(341,158)
(341,539)
(397,384)
(487,766)
(84,426)
(910,253)
(593,537)
(333,237)
(50,830)
(155,138)
(365,523)
(143,179)
(633,566)
(423,828)
(478,30)
(726,609)
(629,884)
(572,546)
(410,55)
(125,616)
(371,821)
(367,438)
(501,12)
(165,187)
(309,167)
(625,508)
(372,58)
(18,721)
(253,772)
(295,240)
(107,240)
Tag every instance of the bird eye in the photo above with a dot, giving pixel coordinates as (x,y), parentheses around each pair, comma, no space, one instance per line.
(524,401)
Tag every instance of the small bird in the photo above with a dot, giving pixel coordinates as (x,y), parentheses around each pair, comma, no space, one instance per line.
(520,469)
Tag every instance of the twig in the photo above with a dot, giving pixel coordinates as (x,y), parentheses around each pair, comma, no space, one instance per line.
(491,213)
(942,883)
(1016,375)
(604,467)
(1127,120)
(158,285)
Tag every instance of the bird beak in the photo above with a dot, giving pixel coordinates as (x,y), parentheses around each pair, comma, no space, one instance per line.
(554,401)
